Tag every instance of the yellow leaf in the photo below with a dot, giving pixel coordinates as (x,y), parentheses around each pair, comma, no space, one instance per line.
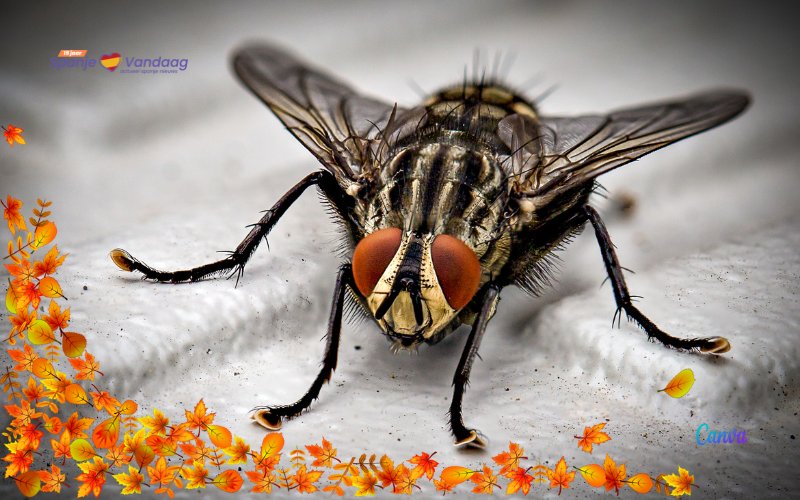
(75,394)
(11,299)
(44,234)
(73,344)
(640,483)
(40,332)
(81,450)
(680,384)
(594,474)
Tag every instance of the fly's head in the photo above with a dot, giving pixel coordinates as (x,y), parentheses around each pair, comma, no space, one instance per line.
(414,284)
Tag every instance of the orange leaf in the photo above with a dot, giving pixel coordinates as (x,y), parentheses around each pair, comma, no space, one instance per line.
(509,460)
(27,293)
(29,483)
(220,436)
(75,394)
(229,481)
(680,384)
(425,464)
(43,235)
(615,475)
(53,480)
(40,333)
(456,474)
(594,474)
(271,445)
(106,433)
(43,368)
(591,436)
(265,480)
(520,480)
(323,455)
(13,134)
(49,263)
(128,407)
(11,213)
(304,480)
(52,424)
(93,477)
(73,344)
(49,287)
(486,481)
(641,483)
(86,367)
(81,450)
(199,419)
(560,477)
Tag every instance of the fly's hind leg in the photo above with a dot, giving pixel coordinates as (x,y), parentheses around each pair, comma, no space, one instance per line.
(235,262)
(712,345)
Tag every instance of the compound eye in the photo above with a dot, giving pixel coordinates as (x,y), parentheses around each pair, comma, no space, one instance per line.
(372,256)
(457,268)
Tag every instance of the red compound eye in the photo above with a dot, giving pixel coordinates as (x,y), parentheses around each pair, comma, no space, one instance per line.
(373,255)
(457,268)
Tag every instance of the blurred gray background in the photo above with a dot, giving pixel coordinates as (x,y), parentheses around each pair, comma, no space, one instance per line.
(172,167)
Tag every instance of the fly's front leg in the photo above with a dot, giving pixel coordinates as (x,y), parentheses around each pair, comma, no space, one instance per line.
(237,259)
(270,416)
(464,436)
(712,345)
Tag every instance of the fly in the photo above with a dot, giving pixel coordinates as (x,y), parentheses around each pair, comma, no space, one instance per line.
(446,203)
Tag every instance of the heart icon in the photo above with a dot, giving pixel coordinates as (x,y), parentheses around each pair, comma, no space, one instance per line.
(110,61)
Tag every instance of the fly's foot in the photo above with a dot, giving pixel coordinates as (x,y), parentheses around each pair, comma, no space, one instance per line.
(714,345)
(123,259)
(265,418)
(470,438)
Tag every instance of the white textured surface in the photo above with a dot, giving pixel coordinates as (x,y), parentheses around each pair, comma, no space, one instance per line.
(172,168)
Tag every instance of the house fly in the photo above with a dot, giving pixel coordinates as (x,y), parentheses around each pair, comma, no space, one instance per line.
(446,203)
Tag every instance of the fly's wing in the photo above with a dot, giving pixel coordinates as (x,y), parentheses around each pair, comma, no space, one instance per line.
(554,155)
(333,121)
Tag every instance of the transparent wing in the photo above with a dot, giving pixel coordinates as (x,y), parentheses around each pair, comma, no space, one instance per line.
(555,155)
(333,121)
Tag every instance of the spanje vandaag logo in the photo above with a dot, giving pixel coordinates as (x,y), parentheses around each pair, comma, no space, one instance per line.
(73,59)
